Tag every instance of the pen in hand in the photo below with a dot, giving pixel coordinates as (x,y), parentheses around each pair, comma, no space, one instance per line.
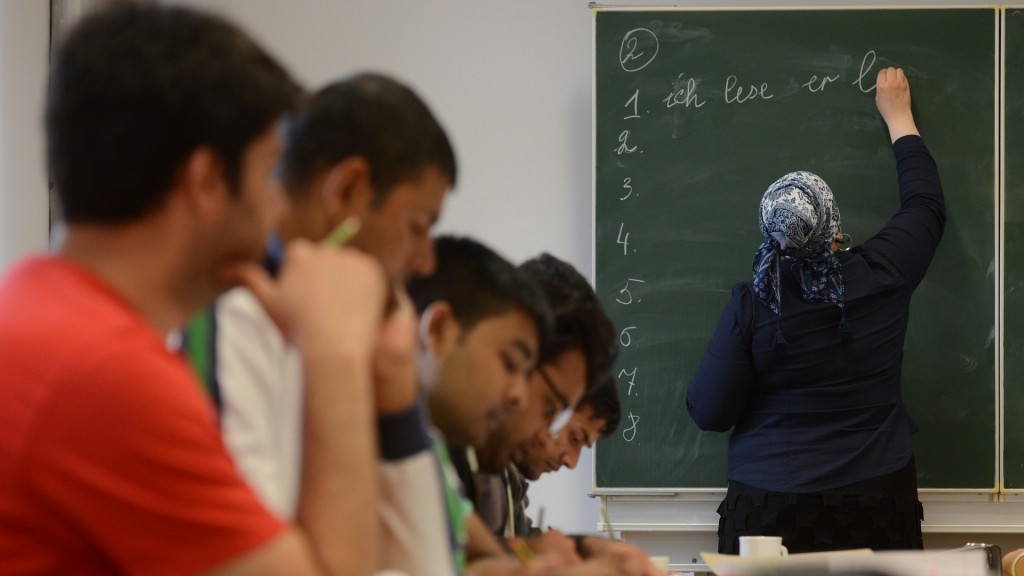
(340,236)
(521,549)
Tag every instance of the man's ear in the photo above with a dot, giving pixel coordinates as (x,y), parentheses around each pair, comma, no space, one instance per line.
(439,330)
(202,183)
(347,190)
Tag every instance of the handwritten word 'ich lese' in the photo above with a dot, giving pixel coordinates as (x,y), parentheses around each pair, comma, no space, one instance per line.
(687,95)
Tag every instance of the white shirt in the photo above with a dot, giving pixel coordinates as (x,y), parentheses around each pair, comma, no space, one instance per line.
(261,387)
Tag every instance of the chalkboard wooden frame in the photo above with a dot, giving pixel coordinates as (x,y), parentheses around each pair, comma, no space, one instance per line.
(1012,243)
(971,466)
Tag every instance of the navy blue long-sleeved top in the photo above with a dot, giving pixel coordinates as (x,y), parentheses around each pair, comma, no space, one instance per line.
(818,413)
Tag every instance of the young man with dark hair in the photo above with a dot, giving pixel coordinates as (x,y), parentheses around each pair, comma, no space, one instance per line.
(365,150)
(161,125)
(119,125)
(481,326)
(482,323)
(368,147)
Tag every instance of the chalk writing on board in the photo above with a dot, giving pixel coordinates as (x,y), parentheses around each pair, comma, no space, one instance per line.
(683,94)
(624,147)
(740,94)
(623,239)
(634,99)
(638,49)
(816,85)
(627,185)
(686,90)
(632,379)
(629,434)
(866,64)
(624,338)
(629,295)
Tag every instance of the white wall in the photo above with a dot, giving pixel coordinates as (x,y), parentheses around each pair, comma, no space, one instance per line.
(510,80)
(24,53)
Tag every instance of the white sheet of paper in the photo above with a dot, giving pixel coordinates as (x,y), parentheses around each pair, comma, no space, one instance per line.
(809,563)
(888,563)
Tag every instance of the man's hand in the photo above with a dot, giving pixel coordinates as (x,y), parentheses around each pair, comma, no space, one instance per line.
(323,296)
(394,364)
(629,559)
(555,543)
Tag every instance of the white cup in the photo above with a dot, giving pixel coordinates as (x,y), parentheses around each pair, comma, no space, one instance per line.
(661,563)
(770,546)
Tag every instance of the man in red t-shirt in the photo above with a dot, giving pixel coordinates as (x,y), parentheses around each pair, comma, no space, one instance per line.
(161,139)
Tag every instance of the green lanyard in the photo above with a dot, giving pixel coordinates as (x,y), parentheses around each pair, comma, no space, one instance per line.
(459,507)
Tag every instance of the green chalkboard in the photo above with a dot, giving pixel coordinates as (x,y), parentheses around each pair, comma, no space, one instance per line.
(696,113)
(1013,286)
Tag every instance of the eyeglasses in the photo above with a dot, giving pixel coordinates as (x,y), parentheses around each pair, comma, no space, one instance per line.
(562,418)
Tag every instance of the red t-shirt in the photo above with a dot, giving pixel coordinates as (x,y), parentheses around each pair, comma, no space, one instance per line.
(110,459)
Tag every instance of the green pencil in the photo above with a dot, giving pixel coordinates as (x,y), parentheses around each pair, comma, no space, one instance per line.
(343,232)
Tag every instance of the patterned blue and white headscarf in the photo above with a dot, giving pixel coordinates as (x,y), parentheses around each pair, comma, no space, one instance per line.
(799,219)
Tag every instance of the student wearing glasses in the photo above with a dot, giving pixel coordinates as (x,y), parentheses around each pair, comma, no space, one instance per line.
(596,416)
(502,495)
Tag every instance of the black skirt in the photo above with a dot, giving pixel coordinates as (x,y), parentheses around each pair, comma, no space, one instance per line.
(881,513)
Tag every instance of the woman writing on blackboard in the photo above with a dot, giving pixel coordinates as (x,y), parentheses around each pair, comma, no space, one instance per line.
(805,362)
